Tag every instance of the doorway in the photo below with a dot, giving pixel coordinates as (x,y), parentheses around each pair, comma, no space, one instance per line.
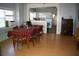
(47,14)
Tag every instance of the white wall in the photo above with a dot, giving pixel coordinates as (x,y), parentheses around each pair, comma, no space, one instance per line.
(77,21)
(19,14)
(67,10)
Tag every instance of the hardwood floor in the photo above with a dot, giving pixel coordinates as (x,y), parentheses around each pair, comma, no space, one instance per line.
(49,45)
(52,30)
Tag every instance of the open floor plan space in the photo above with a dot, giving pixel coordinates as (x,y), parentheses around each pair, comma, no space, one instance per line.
(39,29)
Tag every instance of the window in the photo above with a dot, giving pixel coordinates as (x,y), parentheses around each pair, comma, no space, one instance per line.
(9,15)
(42,15)
(2,21)
(5,15)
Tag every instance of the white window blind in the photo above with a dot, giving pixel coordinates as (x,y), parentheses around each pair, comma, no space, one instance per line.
(5,15)
(9,15)
(7,12)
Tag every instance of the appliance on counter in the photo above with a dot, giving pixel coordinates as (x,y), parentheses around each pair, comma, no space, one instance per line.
(49,22)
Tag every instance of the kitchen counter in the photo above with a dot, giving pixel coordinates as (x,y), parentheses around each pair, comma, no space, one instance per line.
(43,23)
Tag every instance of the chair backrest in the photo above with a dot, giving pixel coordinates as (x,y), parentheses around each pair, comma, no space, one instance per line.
(16,27)
(29,23)
(10,33)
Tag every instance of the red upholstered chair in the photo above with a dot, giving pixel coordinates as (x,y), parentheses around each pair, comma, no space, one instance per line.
(29,24)
(36,33)
(15,37)
(22,36)
(39,32)
(30,36)
(19,36)
(21,26)
(9,34)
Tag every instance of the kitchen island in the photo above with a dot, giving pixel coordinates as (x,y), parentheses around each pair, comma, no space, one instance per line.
(43,23)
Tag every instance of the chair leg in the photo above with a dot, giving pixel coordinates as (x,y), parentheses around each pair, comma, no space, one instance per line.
(19,44)
(23,42)
(14,43)
(38,39)
(33,42)
(28,43)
